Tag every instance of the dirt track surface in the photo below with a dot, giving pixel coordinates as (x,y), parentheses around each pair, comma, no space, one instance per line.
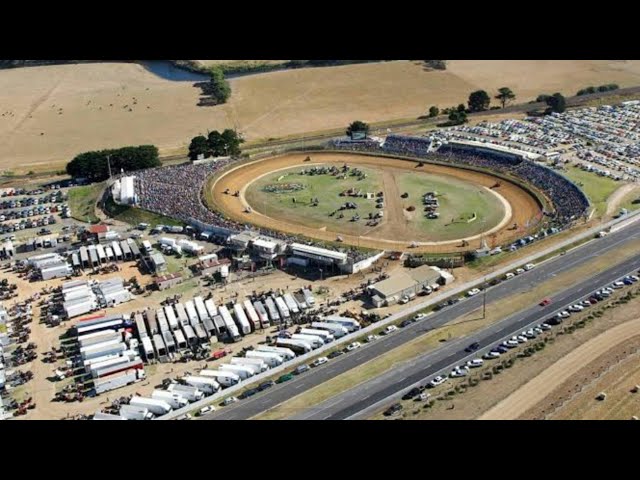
(390,234)
(542,386)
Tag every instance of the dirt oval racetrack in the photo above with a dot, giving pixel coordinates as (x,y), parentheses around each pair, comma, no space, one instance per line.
(521,207)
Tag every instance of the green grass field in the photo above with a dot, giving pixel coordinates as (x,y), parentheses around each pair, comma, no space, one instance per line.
(458,201)
(134,216)
(596,188)
(324,187)
(82,201)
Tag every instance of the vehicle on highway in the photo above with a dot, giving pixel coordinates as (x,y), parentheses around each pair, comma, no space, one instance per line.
(389,329)
(205,410)
(406,323)
(393,409)
(545,302)
(335,353)
(352,346)
(491,355)
(475,363)
(439,380)
(472,348)
(285,378)
(265,385)
(229,401)
(372,338)
(519,271)
(459,372)
(473,292)
(301,369)
(319,361)
(529,266)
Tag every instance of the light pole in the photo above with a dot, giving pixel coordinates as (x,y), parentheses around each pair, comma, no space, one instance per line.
(109,165)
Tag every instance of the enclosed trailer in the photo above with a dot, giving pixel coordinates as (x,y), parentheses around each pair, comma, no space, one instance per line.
(270,358)
(135,250)
(109,253)
(169,342)
(224,378)
(161,349)
(171,317)
(103,348)
(286,353)
(200,332)
(172,398)
(299,298)
(259,364)
(107,416)
(272,310)
(308,297)
(292,305)
(102,256)
(221,328)
(152,322)
(232,329)
(349,323)
(183,319)
(210,328)
(208,385)
(157,407)
(84,257)
(117,251)
(93,256)
(181,341)
(212,310)
(190,335)
(241,319)
(102,385)
(300,347)
(126,250)
(252,315)
(200,308)
(262,314)
(336,329)
(326,336)
(104,370)
(131,412)
(98,337)
(282,308)
(162,320)
(193,394)
(147,347)
(242,371)
(314,340)
(191,313)
(140,326)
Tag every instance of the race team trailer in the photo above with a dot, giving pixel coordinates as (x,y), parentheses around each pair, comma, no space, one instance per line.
(242,371)
(172,398)
(224,378)
(243,322)
(282,308)
(270,358)
(183,319)
(286,353)
(131,412)
(336,329)
(208,385)
(252,315)
(272,310)
(292,305)
(262,314)
(326,336)
(298,346)
(157,407)
(171,317)
(257,362)
(314,340)
(193,394)
(232,329)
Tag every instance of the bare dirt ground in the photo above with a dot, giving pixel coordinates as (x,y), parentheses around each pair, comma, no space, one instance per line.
(618,197)
(49,114)
(523,206)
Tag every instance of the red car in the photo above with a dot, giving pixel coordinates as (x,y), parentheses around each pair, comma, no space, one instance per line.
(545,302)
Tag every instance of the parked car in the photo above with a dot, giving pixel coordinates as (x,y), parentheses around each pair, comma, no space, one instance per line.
(475,363)
(285,378)
(406,323)
(301,369)
(393,409)
(473,292)
(319,361)
(335,353)
(353,346)
(459,372)
(248,393)
(491,355)
(389,329)
(519,271)
(372,338)
(265,385)
(529,266)
(439,380)
(411,393)
(205,410)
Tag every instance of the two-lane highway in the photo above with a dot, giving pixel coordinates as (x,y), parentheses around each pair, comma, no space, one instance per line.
(263,401)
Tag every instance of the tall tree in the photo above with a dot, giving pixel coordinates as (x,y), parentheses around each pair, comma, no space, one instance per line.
(219,87)
(231,141)
(436,64)
(479,101)
(199,146)
(505,95)
(457,117)
(357,126)
(434,111)
(557,103)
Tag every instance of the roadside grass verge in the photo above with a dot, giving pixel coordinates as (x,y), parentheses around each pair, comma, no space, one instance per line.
(82,202)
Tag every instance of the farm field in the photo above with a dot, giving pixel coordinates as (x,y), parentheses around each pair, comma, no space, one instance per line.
(51,113)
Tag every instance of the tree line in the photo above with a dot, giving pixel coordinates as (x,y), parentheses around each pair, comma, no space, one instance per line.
(94,165)
(602,88)
(216,144)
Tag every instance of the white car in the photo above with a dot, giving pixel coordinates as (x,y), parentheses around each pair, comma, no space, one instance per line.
(510,343)
(319,361)
(604,293)
(473,291)
(564,314)
(576,308)
(529,334)
(389,329)
(439,380)
(508,276)
(229,401)
(205,410)
(521,339)
(538,330)
(544,326)
(372,338)
(419,316)
(617,285)
(529,266)
(459,372)
(353,346)
(475,363)
(519,271)
(491,355)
